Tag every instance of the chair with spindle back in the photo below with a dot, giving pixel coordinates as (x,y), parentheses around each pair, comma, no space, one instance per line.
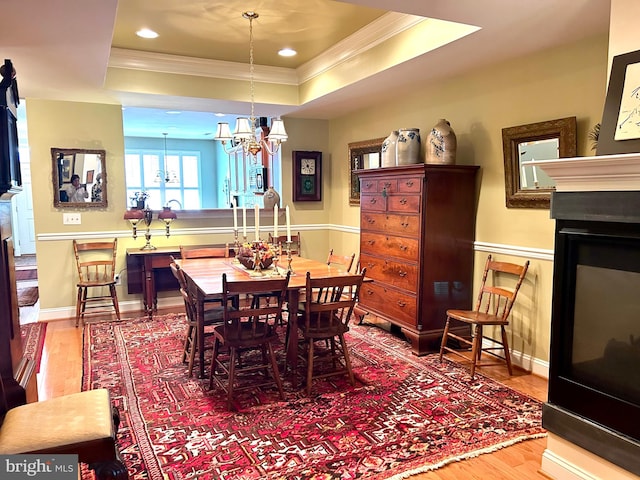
(493,307)
(96,264)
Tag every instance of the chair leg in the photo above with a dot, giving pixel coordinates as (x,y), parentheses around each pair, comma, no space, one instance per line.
(276,373)
(475,354)
(232,377)
(214,359)
(78,305)
(114,299)
(445,334)
(505,345)
(479,333)
(192,351)
(309,366)
(187,343)
(347,360)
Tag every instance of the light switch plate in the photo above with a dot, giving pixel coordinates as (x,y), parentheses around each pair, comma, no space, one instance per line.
(71,218)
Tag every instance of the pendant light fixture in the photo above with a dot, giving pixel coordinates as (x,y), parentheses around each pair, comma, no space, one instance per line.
(244,134)
(165,175)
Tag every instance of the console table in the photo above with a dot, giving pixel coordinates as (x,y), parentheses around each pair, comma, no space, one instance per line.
(148,273)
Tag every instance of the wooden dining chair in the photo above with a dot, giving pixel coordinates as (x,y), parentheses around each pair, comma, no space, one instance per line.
(250,327)
(325,316)
(96,265)
(343,261)
(281,243)
(212,315)
(205,252)
(493,307)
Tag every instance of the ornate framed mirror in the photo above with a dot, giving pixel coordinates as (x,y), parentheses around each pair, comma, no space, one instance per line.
(526,185)
(79,178)
(365,154)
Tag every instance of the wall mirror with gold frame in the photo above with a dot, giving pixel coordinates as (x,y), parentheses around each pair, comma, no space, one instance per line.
(364,154)
(79,178)
(526,185)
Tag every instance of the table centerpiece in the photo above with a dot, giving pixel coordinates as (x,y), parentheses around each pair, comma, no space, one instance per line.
(254,254)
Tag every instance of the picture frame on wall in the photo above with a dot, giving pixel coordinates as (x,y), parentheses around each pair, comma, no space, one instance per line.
(620,127)
(307,176)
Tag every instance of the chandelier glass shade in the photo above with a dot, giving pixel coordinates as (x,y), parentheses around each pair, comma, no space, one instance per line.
(244,135)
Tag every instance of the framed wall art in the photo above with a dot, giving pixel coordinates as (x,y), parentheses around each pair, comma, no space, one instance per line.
(307,176)
(620,128)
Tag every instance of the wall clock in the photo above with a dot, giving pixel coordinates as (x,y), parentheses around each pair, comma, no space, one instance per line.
(307,176)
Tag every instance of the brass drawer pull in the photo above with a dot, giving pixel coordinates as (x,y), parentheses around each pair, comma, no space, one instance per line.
(387,185)
(402,274)
(373,201)
(404,224)
(371,242)
(370,221)
(370,265)
(409,183)
(403,201)
(369,292)
(401,303)
(368,185)
(404,248)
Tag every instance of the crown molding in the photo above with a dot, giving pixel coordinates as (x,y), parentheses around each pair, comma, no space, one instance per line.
(200,67)
(380,30)
(377,32)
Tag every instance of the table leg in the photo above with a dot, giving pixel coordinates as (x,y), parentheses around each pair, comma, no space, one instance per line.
(148,286)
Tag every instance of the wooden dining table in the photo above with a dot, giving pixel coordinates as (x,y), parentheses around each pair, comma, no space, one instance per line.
(204,279)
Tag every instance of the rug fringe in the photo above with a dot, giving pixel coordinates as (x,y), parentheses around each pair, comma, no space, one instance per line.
(465,456)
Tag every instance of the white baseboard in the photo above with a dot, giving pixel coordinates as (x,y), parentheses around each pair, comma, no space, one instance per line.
(558,468)
(49,314)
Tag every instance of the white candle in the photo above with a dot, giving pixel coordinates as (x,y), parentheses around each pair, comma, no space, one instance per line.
(535,174)
(257,215)
(244,221)
(288,224)
(523,178)
(275,223)
(235,215)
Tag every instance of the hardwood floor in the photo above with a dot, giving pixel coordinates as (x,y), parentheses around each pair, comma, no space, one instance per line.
(61,373)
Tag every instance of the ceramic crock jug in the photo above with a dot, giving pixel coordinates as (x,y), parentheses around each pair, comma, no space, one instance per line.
(441,144)
(389,150)
(408,146)
(271,198)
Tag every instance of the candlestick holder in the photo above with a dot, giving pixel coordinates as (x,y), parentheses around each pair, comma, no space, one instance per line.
(289,258)
(236,246)
(276,258)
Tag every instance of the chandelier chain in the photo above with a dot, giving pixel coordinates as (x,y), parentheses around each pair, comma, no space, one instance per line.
(251,69)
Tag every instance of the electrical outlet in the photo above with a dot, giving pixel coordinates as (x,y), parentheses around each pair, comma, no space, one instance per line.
(71,219)
(117,278)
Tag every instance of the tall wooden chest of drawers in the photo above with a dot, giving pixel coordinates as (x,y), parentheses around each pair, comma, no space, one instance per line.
(417,228)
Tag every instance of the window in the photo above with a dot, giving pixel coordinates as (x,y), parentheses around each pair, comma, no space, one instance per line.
(175,181)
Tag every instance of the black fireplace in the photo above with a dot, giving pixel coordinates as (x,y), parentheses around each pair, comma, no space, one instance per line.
(594,372)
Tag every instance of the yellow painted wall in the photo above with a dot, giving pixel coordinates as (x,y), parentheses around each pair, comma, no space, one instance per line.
(553,84)
(98,126)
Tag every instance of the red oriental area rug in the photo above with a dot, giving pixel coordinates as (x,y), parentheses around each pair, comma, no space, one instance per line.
(33,336)
(405,414)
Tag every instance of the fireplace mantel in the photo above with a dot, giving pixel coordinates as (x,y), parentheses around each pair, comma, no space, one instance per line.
(597,173)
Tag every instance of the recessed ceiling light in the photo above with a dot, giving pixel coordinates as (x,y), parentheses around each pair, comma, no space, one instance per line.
(287,52)
(173,112)
(146,33)
(219,114)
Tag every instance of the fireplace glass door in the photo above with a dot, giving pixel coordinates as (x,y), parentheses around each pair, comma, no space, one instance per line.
(595,354)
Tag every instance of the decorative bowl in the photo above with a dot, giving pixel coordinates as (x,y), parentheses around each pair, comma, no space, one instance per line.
(248,262)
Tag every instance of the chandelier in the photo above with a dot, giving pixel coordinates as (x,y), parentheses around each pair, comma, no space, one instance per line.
(244,134)
(165,175)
